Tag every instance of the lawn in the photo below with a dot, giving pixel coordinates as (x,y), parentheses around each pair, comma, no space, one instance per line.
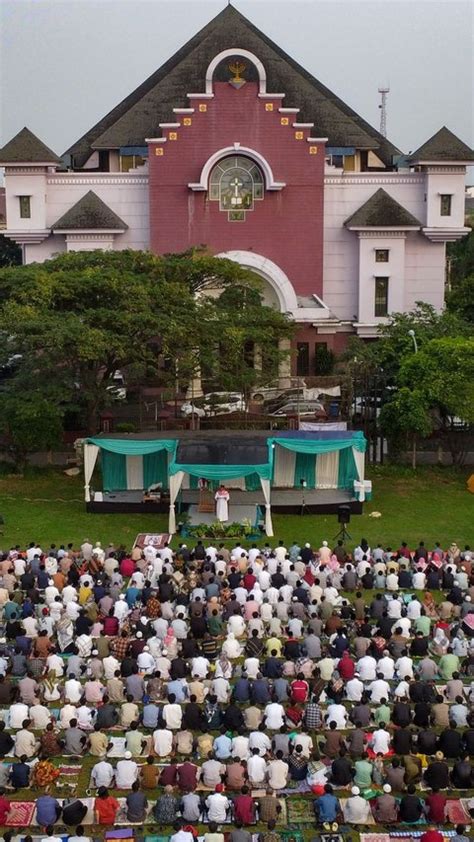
(431,504)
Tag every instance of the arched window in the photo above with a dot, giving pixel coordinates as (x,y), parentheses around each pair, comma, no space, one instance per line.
(236,183)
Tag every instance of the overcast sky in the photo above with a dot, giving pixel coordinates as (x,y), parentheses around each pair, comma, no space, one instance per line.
(66,63)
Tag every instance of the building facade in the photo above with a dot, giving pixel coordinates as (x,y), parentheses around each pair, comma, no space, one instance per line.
(233,146)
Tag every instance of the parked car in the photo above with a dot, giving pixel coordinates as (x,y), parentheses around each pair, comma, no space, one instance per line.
(313,409)
(214,403)
(117,388)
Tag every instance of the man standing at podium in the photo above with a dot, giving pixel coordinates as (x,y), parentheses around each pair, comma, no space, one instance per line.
(222,499)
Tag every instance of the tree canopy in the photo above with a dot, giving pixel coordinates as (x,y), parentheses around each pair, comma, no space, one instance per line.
(74,320)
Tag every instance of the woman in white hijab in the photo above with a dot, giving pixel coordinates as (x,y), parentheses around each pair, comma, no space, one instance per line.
(440,642)
(231,647)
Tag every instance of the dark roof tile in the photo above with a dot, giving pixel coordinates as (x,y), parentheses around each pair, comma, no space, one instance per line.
(25,147)
(139,115)
(443,146)
(381,211)
(91,213)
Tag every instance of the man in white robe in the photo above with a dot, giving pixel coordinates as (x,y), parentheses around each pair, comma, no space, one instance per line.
(222,508)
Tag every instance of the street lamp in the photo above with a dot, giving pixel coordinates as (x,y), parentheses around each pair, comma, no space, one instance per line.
(415,343)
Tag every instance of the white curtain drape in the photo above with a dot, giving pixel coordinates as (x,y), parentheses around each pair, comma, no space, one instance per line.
(91,452)
(359,487)
(359,459)
(327,469)
(268,512)
(284,472)
(175,485)
(134,472)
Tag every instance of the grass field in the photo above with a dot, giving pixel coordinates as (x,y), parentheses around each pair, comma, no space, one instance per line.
(430,504)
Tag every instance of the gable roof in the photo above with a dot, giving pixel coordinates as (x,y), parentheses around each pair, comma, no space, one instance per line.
(26,148)
(381,211)
(443,146)
(90,213)
(138,116)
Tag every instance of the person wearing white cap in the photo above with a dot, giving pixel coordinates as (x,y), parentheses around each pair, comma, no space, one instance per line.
(324,553)
(121,609)
(126,772)
(385,807)
(357,809)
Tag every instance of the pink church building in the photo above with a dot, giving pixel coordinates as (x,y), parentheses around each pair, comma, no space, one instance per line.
(234,146)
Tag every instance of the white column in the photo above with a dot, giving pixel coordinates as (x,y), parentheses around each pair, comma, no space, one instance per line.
(284,369)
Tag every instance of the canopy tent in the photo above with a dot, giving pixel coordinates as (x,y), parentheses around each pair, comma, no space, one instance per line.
(322,459)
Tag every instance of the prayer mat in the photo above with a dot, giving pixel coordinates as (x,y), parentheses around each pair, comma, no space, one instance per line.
(156,839)
(333,837)
(374,837)
(300,786)
(121,817)
(456,812)
(291,836)
(300,811)
(21,814)
(118,747)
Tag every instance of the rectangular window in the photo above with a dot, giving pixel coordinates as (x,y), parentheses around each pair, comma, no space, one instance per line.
(130,162)
(381,297)
(381,255)
(25,207)
(445,204)
(302,359)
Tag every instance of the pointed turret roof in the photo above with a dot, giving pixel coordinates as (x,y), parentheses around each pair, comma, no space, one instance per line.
(443,146)
(139,115)
(90,213)
(26,148)
(382,211)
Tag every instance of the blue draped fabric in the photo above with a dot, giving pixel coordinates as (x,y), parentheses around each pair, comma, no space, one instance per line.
(155,469)
(305,468)
(135,447)
(347,470)
(114,471)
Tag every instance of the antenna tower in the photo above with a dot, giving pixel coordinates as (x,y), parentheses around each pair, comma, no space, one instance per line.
(383,110)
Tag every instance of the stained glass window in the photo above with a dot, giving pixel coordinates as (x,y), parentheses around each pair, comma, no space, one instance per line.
(236,183)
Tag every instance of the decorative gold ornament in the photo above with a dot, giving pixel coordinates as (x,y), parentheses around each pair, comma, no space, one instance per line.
(269,106)
(299,135)
(284,121)
(173,136)
(313,150)
(237,68)
(203,106)
(187,121)
(159,150)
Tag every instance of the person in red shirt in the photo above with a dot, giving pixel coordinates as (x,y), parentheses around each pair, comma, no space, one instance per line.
(4,807)
(105,807)
(299,689)
(346,667)
(249,580)
(436,803)
(432,835)
(244,807)
(187,776)
(127,567)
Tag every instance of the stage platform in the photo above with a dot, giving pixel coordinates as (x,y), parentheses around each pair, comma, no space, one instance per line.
(288,501)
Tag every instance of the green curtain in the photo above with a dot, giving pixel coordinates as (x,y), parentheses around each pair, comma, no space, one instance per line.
(252,482)
(135,447)
(356,440)
(347,470)
(305,468)
(155,469)
(114,471)
(222,471)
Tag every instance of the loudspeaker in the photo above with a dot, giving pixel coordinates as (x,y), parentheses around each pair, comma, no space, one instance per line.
(344,514)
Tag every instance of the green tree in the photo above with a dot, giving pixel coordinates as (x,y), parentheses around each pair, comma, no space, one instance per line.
(76,319)
(405,418)
(10,253)
(29,423)
(460,299)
